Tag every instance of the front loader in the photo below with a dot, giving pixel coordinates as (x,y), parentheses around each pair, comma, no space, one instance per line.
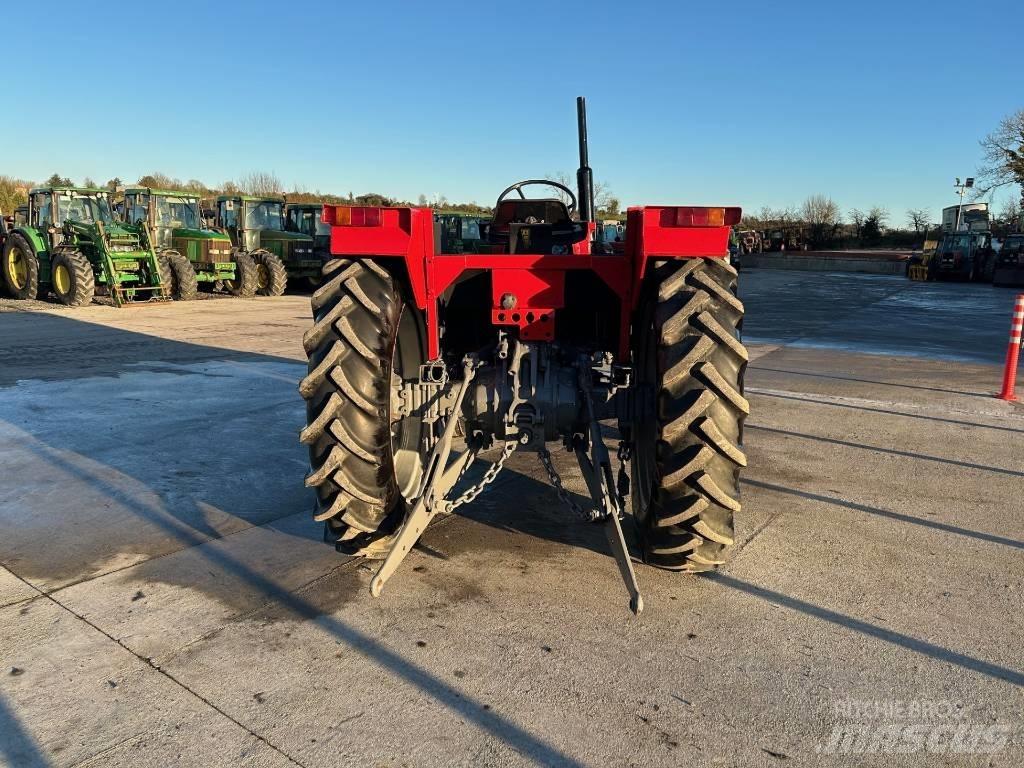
(175,219)
(70,243)
(529,346)
(257,229)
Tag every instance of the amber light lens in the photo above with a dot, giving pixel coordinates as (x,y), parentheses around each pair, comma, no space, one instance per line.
(706,217)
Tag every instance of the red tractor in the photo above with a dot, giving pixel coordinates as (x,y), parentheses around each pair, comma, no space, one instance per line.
(419,360)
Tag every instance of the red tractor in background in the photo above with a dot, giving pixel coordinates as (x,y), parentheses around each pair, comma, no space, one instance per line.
(419,360)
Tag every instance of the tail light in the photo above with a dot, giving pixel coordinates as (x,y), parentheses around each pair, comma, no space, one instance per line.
(352,216)
(701,217)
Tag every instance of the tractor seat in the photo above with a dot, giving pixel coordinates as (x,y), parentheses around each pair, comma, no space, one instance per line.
(535,226)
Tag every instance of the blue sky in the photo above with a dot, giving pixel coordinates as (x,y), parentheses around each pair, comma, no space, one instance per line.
(691,103)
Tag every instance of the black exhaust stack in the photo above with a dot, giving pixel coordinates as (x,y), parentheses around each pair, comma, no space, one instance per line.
(584,176)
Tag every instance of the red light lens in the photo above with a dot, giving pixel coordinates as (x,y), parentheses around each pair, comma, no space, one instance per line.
(353,216)
(365,217)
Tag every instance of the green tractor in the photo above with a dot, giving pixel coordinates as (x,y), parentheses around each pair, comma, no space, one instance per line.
(175,219)
(305,218)
(70,243)
(256,227)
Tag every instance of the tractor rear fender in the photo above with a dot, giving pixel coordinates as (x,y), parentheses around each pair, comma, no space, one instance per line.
(676,232)
(35,239)
(536,281)
(41,248)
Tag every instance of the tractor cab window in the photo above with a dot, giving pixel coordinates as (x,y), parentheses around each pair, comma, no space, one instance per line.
(957,243)
(265,215)
(227,212)
(307,221)
(84,208)
(470,229)
(177,212)
(41,207)
(1014,245)
(135,208)
(21,216)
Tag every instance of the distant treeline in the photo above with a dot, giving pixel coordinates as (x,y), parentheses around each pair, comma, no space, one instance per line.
(14,192)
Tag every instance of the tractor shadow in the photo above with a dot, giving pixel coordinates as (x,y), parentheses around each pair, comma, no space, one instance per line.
(522,502)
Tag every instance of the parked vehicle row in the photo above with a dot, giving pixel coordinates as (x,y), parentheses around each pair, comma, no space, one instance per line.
(76,242)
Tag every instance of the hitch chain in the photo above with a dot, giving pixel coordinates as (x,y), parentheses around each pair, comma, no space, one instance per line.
(489,476)
(587,515)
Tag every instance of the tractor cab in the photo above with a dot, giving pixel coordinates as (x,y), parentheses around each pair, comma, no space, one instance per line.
(545,226)
(965,255)
(51,208)
(307,219)
(256,225)
(1009,268)
(166,212)
(249,221)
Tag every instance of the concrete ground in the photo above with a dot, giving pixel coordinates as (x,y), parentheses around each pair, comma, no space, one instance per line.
(165,598)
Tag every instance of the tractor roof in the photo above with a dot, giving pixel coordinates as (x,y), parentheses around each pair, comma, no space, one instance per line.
(162,192)
(252,198)
(63,188)
(306,205)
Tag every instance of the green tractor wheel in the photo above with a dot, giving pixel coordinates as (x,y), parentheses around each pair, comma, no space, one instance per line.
(72,278)
(178,272)
(244,284)
(20,269)
(271,276)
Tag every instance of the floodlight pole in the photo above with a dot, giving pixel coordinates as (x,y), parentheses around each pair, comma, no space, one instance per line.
(967,184)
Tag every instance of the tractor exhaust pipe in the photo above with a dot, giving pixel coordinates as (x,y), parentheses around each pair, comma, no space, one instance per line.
(584,176)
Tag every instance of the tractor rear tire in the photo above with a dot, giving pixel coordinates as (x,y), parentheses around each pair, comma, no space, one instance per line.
(71,278)
(688,438)
(20,268)
(244,284)
(363,466)
(178,272)
(271,276)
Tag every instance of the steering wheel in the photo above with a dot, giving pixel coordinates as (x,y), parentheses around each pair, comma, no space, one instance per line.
(518,187)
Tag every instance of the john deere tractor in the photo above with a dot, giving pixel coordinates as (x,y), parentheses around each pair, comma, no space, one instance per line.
(69,243)
(256,228)
(307,219)
(175,219)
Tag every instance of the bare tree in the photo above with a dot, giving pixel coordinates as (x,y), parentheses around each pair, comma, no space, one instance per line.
(602,192)
(919,219)
(89,182)
(857,217)
(822,217)
(1010,214)
(261,183)
(159,180)
(879,214)
(1004,156)
(422,201)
